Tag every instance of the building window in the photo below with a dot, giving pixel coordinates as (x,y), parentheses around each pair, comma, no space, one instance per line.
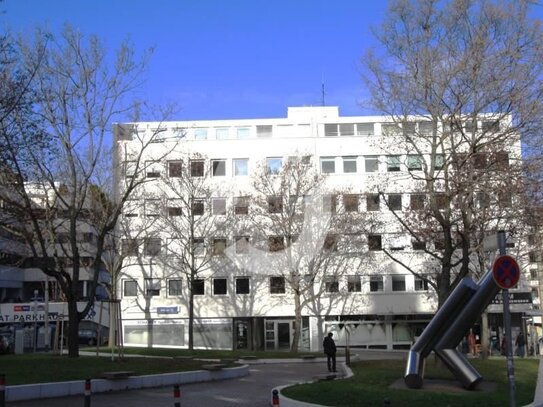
(504,199)
(264,130)
(535,293)
(198,247)
(221,133)
(129,247)
(174,207)
(200,134)
(365,129)
(416,202)
(330,130)
(328,165)
(152,169)
(129,168)
(418,244)
(350,202)
(393,163)
(276,243)
(329,203)
(240,167)
(346,129)
(174,288)
(389,129)
(441,201)
(349,165)
(275,204)
(414,162)
(241,205)
(152,207)
(277,285)
(218,206)
(533,274)
(501,160)
(130,208)
(395,202)
(130,288)
(197,207)
(219,286)
(354,284)
(376,283)
(372,202)
(439,161)
(175,169)
(242,244)
(197,168)
(374,242)
(152,287)
(371,163)
(218,168)
(198,286)
(243,132)
(152,246)
(219,246)
(330,243)
(421,284)
(398,283)
(331,285)
(273,165)
(242,285)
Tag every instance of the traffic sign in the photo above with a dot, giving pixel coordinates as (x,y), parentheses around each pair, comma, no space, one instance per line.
(505,271)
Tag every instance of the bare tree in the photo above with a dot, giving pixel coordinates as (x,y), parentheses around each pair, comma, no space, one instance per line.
(461,81)
(60,192)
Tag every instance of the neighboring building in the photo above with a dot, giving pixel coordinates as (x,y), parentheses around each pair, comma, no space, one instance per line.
(235,307)
(27,296)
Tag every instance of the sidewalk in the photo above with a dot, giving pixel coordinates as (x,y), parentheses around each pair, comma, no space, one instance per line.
(538,396)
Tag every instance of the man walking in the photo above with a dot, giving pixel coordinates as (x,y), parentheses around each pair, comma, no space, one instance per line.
(330,349)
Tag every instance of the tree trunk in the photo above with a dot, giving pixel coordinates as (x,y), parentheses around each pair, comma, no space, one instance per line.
(191,314)
(73,329)
(297,324)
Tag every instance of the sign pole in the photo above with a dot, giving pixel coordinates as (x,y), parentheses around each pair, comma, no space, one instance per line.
(507,328)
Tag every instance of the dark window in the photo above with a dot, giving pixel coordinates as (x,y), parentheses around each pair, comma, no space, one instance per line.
(501,159)
(152,169)
(414,162)
(393,163)
(241,205)
(417,202)
(130,288)
(151,246)
(129,247)
(371,163)
(491,126)
(353,284)
(418,245)
(197,168)
(152,287)
(398,283)
(264,130)
(395,202)
(372,202)
(330,243)
(346,129)
(349,165)
(197,207)
(441,201)
(351,203)
(219,286)
(376,283)
(364,129)
(328,165)
(198,286)
(277,285)
(174,211)
(218,168)
(374,242)
(421,284)
(480,161)
(175,169)
(242,285)
(275,204)
(330,130)
(276,243)
(174,288)
(331,285)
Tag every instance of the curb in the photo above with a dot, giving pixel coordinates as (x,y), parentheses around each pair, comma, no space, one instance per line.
(77,387)
(288,402)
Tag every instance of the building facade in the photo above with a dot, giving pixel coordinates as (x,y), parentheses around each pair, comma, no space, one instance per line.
(371,299)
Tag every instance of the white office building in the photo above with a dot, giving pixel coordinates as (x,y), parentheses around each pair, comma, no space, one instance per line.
(247,305)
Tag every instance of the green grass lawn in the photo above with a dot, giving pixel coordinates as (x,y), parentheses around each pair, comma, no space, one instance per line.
(42,367)
(371,381)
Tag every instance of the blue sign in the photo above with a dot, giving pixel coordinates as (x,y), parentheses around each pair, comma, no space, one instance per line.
(167,310)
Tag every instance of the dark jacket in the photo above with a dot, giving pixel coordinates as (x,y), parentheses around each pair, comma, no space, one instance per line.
(329,346)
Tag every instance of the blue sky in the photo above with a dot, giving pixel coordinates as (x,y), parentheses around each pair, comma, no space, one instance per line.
(228,58)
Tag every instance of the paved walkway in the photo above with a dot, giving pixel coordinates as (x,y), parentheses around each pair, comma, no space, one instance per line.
(253,390)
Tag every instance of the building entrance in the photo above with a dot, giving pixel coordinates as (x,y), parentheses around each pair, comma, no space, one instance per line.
(278,334)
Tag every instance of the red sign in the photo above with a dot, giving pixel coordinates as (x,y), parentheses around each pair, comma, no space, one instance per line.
(505,271)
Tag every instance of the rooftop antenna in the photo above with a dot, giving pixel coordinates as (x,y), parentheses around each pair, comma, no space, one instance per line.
(323,93)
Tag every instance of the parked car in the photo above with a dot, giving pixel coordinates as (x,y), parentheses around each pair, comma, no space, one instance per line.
(90,337)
